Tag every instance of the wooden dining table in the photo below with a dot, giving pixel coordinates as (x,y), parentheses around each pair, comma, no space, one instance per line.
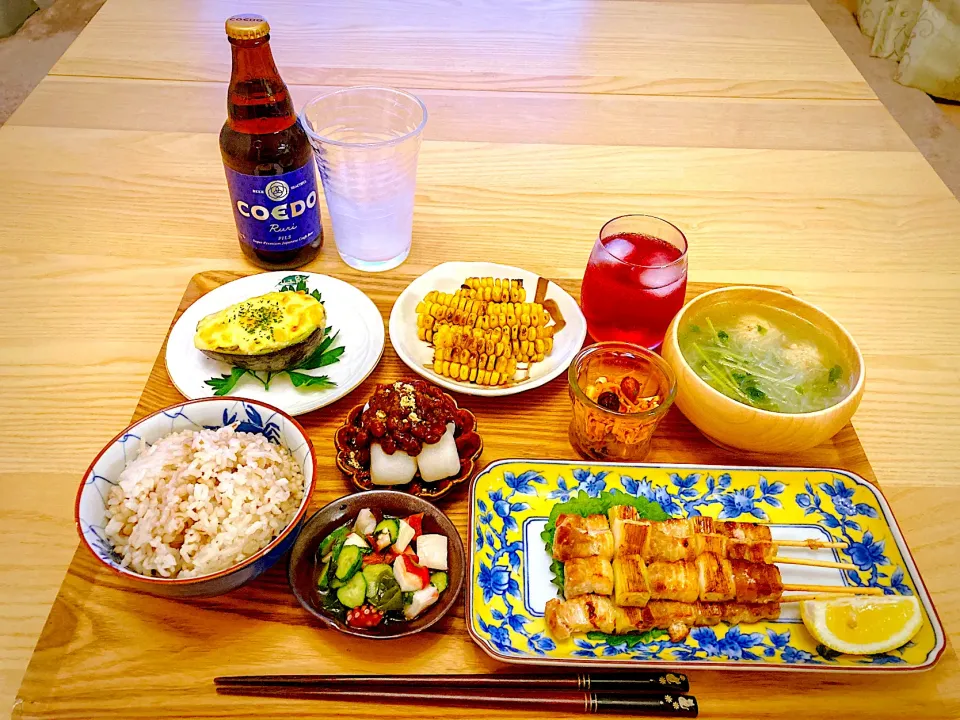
(743,123)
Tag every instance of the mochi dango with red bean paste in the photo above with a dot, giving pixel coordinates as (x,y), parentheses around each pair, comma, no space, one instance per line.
(408,427)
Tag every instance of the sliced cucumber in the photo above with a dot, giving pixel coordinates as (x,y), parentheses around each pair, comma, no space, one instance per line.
(439,580)
(389,525)
(354,539)
(327,544)
(354,592)
(348,562)
(323,580)
(338,546)
(372,572)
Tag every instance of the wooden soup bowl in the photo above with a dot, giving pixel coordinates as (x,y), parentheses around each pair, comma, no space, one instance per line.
(735,425)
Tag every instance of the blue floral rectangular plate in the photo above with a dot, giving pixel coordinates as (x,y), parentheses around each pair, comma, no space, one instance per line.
(510,579)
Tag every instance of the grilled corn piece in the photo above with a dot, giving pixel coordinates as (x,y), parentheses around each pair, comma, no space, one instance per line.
(484,329)
(470,367)
(523,346)
(497,289)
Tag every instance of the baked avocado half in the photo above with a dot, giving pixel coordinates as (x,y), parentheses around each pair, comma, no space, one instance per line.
(269,333)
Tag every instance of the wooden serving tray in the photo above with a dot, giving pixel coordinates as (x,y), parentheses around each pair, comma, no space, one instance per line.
(109,650)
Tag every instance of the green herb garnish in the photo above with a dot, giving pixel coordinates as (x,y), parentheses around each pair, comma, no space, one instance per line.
(584,505)
(324,355)
(300,379)
(630,639)
(224,384)
(761,329)
(836,372)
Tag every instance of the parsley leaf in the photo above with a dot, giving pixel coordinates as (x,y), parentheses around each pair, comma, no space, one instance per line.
(300,379)
(324,355)
(225,383)
(328,358)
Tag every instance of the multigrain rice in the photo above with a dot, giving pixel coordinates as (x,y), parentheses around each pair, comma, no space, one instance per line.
(197,502)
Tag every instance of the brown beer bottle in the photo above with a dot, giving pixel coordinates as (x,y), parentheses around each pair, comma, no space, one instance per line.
(267,156)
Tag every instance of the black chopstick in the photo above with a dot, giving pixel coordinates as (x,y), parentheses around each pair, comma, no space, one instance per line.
(635,682)
(663,704)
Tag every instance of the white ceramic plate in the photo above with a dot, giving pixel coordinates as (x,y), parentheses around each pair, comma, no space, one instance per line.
(349,311)
(417,354)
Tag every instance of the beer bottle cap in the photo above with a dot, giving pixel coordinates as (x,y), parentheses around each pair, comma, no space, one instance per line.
(247,27)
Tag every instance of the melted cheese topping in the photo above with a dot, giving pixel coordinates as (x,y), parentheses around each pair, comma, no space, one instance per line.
(261,324)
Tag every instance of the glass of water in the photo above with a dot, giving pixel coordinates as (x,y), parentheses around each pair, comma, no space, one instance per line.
(366,141)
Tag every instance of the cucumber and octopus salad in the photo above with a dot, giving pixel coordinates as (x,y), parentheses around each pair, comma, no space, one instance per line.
(369,572)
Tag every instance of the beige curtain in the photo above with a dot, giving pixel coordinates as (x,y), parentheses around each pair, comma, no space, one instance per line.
(923,35)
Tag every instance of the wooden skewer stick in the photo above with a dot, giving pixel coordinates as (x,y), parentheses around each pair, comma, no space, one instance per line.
(803,597)
(810,544)
(839,589)
(815,563)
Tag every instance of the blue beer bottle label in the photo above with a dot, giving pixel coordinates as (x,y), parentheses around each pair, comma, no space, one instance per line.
(275,212)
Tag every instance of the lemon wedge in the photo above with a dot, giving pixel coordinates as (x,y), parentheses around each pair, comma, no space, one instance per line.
(863,625)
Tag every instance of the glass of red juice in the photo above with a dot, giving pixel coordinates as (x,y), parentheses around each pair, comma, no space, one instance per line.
(635,281)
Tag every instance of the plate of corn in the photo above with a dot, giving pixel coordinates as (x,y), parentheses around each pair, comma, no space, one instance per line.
(486,329)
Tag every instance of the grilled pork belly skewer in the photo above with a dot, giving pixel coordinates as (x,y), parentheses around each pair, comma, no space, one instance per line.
(582,537)
(669,540)
(594,612)
(709,579)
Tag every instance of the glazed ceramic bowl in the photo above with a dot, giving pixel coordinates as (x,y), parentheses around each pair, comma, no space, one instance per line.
(303,569)
(469,447)
(252,416)
(734,425)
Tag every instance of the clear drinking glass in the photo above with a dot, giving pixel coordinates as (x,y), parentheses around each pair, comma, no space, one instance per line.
(366,141)
(619,431)
(635,281)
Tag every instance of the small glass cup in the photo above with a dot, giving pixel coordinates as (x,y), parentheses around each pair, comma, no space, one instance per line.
(635,280)
(601,433)
(366,141)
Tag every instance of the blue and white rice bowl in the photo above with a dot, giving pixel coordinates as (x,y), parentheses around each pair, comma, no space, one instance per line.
(249,416)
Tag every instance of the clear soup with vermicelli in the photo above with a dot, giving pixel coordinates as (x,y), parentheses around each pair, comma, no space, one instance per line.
(765,357)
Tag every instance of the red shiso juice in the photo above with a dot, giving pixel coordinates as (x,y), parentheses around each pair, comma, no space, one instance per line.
(633,286)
